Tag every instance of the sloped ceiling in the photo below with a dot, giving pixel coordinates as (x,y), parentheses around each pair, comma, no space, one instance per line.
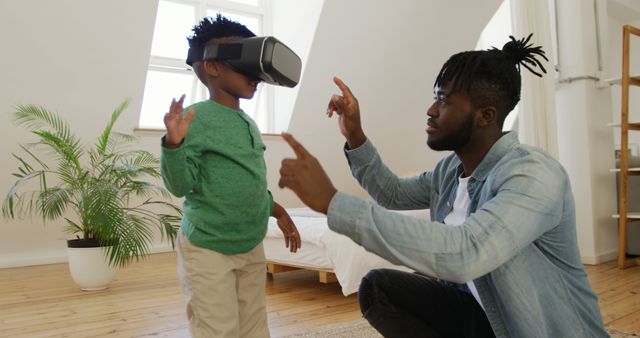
(389,53)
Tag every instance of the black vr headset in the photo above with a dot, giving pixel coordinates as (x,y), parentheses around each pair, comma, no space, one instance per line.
(261,57)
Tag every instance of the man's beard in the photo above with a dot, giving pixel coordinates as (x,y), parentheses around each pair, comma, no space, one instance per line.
(454,139)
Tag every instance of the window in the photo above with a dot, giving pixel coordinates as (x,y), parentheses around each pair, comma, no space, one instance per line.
(168,76)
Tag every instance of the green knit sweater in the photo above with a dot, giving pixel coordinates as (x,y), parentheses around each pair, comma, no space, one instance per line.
(220,170)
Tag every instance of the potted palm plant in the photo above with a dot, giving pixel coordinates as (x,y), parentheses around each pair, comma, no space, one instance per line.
(102,191)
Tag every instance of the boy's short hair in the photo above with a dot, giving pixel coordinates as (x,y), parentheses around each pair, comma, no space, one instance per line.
(210,28)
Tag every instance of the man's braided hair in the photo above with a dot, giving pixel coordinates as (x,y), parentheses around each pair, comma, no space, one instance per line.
(492,77)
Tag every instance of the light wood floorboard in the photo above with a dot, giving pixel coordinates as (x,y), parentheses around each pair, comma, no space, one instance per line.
(145,301)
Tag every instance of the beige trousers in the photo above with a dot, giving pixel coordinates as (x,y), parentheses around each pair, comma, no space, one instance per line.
(225,294)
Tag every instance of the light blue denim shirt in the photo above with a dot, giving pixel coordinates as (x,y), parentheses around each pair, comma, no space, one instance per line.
(518,243)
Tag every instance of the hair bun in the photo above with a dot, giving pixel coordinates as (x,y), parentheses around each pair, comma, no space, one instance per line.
(521,53)
(512,51)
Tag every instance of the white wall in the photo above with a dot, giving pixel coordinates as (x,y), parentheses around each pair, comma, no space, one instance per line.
(294,23)
(82,57)
(624,14)
(584,140)
(389,53)
(584,109)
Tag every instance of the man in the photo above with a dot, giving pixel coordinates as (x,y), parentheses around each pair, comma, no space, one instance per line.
(501,244)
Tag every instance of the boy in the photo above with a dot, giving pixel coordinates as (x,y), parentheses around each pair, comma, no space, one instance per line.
(213,155)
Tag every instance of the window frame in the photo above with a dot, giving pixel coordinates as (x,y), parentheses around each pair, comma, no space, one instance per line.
(262,11)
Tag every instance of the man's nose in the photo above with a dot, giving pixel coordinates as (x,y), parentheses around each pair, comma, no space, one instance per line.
(433,109)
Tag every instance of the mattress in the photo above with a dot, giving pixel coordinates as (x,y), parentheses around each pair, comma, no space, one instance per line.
(313,256)
(323,248)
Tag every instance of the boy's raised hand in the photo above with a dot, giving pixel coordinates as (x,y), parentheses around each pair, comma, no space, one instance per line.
(348,110)
(176,123)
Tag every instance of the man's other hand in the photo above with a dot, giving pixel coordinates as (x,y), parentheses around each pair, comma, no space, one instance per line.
(306,177)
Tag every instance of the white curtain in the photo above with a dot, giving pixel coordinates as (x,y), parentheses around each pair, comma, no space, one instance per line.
(536,123)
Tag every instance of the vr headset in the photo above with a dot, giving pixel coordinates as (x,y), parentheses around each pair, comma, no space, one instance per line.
(260,57)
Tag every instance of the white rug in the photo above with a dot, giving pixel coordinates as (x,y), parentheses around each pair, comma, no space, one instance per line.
(360,328)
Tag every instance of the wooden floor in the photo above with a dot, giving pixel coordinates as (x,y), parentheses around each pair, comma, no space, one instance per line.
(145,300)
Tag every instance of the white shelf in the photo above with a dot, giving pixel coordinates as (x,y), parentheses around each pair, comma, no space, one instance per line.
(630,215)
(632,125)
(617,170)
(618,80)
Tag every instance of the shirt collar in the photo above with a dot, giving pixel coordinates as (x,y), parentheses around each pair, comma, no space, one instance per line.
(508,141)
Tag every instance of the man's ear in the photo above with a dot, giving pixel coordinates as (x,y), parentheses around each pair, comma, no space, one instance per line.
(212,68)
(487,116)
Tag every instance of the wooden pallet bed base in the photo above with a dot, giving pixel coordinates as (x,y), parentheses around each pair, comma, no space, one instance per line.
(325,276)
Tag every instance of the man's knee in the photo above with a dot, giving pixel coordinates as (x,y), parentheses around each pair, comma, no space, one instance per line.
(372,281)
(378,275)
(370,289)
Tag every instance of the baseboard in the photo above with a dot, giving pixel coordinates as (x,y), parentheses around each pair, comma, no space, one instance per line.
(20,259)
(600,258)
(160,248)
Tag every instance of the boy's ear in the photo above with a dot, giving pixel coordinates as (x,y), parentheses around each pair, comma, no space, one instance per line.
(212,68)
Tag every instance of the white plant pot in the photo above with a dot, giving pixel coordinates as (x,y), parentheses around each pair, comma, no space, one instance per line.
(90,268)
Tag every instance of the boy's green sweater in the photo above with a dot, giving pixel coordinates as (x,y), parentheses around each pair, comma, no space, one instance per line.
(220,170)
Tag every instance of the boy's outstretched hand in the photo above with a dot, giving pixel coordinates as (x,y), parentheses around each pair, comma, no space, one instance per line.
(176,123)
(306,177)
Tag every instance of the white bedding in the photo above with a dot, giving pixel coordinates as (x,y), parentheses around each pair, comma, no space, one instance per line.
(323,248)
(312,257)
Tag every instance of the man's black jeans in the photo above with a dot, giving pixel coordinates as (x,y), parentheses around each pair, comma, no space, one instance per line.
(401,304)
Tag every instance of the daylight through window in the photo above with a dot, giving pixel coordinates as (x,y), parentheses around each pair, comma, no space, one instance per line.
(168,76)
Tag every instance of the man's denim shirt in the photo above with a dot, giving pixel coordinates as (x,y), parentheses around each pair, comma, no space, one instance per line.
(518,243)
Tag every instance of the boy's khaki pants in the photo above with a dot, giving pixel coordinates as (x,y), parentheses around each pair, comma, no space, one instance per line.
(225,294)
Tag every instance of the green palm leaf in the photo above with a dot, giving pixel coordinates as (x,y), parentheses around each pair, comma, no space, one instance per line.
(35,117)
(105,197)
(52,129)
(53,202)
(104,139)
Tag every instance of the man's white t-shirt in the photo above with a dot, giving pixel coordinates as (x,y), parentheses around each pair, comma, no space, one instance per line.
(458,215)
